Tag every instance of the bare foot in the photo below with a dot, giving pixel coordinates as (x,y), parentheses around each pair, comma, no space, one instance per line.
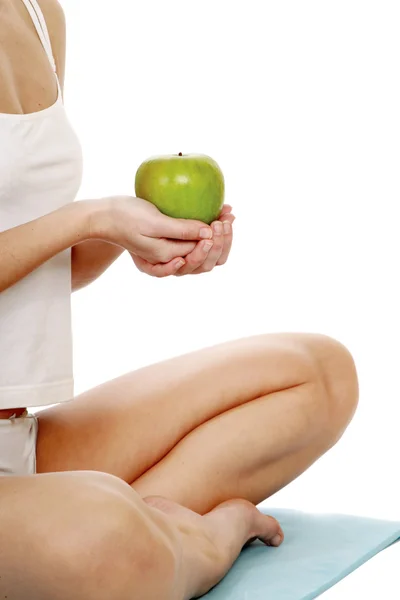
(211,543)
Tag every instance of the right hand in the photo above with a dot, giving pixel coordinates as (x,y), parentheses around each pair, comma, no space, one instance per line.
(139,227)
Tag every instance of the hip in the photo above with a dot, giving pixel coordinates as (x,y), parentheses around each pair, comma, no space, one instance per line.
(18,438)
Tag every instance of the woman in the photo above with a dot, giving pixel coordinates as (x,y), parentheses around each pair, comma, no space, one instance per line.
(146,486)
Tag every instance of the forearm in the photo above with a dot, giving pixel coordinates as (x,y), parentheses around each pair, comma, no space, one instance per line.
(90,259)
(24,248)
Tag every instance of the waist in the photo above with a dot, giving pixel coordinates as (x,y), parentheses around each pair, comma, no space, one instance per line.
(9,412)
(36,338)
(18,437)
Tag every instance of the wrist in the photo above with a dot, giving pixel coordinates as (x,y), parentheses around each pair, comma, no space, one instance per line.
(98,219)
(77,218)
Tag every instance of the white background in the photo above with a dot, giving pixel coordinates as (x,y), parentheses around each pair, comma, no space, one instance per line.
(299,104)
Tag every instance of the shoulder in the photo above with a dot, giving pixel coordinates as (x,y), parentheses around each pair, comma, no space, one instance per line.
(53,12)
(56,24)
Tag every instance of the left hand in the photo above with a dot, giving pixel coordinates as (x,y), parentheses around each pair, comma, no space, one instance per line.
(203,258)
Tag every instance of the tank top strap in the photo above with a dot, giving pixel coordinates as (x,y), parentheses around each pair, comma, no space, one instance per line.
(39,22)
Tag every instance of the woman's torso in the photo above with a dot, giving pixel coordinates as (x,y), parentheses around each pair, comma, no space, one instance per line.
(40,171)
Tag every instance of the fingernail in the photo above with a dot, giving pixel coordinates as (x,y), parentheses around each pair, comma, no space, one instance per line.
(207,246)
(205,233)
(276,540)
(218,228)
(227,227)
(179,263)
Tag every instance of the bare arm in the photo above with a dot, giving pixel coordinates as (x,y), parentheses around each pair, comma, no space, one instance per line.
(118,221)
(90,259)
(24,248)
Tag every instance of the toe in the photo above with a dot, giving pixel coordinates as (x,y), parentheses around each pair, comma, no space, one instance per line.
(269,531)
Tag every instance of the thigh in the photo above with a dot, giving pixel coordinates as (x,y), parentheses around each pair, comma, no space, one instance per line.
(126,426)
(249,452)
(40,519)
(86,536)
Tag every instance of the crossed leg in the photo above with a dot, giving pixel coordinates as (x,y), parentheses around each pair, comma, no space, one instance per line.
(238,420)
(89,536)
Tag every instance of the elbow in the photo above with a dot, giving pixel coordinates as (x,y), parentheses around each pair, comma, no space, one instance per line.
(78,283)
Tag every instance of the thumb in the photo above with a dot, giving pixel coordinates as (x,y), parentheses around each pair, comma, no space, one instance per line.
(183,229)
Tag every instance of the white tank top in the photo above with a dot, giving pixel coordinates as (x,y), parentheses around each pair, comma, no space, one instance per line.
(40,171)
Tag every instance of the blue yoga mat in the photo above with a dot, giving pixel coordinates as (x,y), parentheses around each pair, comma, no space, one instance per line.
(318,551)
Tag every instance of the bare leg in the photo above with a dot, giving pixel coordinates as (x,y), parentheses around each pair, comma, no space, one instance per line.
(223,533)
(249,452)
(89,536)
(237,420)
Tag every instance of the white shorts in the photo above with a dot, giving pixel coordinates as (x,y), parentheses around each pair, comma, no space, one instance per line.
(18,436)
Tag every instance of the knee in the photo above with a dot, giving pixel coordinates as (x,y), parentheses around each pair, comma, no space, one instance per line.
(109,547)
(335,376)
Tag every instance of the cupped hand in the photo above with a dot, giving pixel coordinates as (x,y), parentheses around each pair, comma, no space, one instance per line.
(211,253)
(156,242)
(203,257)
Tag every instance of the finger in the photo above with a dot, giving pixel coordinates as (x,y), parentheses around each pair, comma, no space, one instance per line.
(164,250)
(195,259)
(170,248)
(228,217)
(181,229)
(215,252)
(161,269)
(228,239)
(226,209)
(167,250)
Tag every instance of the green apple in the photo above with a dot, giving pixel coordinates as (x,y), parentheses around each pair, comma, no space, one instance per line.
(185,186)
